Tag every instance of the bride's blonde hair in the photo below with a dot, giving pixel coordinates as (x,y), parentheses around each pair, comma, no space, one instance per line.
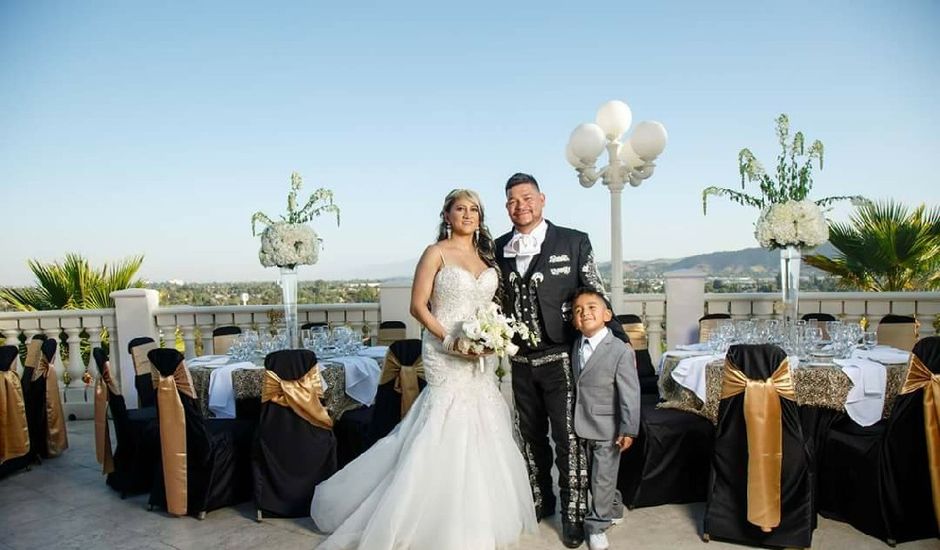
(482,241)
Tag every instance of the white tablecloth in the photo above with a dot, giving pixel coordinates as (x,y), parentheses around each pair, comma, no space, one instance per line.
(221,394)
(690,373)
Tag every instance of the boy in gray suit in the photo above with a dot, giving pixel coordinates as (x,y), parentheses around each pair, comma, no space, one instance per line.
(607,407)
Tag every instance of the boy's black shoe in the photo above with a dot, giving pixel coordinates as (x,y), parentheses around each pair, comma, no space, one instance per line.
(572,534)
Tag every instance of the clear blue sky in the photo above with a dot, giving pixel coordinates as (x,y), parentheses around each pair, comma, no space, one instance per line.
(159,127)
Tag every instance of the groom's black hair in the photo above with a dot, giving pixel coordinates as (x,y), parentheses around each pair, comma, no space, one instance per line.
(519,178)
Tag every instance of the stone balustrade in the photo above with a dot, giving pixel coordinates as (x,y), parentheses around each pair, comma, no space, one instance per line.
(671,317)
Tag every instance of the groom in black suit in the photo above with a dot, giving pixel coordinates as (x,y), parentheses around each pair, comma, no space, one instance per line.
(541,266)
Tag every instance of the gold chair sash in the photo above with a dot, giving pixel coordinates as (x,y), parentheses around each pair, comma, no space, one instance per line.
(762,420)
(388,336)
(919,376)
(103,387)
(14,433)
(33,353)
(405,377)
(57,439)
(301,396)
(173,436)
(898,335)
(221,344)
(142,364)
(637,333)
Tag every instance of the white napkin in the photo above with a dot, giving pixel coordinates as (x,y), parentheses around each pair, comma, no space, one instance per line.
(362,377)
(209,361)
(866,399)
(221,394)
(690,373)
(375,352)
(698,346)
(884,354)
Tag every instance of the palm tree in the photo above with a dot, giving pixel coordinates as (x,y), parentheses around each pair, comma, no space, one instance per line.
(74,284)
(885,247)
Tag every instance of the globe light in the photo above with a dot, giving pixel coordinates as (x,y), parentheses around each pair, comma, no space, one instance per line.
(614,117)
(573,159)
(629,157)
(587,141)
(649,139)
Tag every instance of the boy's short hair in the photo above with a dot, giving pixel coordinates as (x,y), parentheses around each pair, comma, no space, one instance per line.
(520,178)
(588,291)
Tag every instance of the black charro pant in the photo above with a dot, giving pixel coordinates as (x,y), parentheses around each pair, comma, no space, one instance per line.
(544,393)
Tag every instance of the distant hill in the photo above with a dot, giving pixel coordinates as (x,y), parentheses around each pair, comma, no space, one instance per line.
(747,262)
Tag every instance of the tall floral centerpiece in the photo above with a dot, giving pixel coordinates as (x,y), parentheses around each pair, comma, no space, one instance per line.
(290,242)
(788,220)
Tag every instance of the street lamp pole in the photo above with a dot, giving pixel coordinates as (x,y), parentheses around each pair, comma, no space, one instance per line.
(629,161)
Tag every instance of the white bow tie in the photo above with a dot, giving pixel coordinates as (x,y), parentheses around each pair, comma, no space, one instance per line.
(521,245)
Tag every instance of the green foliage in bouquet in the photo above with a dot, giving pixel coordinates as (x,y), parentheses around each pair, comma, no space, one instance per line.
(792,181)
(320,202)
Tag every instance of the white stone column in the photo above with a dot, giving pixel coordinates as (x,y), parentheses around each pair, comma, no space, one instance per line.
(189,341)
(114,356)
(77,402)
(205,322)
(133,310)
(685,304)
(654,329)
(94,341)
(395,305)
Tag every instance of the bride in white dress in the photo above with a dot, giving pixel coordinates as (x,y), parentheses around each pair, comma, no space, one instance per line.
(450,475)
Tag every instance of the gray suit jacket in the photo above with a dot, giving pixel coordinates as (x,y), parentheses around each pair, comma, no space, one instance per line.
(608,391)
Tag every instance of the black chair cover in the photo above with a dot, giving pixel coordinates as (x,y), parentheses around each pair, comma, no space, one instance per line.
(146,397)
(892,318)
(213,478)
(726,509)
(714,316)
(138,441)
(290,456)
(649,380)
(35,398)
(7,357)
(310,325)
(386,412)
(886,491)
(226,330)
(821,317)
(392,324)
(669,461)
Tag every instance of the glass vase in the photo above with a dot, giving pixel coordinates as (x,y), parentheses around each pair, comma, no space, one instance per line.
(790,259)
(289,294)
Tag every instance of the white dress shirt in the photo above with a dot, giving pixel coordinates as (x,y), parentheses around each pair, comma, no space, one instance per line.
(589,345)
(525,246)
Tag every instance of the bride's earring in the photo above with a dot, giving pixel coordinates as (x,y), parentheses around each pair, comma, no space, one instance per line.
(476,236)
(448,231)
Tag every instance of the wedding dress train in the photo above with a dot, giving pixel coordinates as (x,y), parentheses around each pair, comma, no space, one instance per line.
(450,476)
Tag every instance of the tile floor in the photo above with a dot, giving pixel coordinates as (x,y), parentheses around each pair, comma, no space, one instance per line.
(64,503)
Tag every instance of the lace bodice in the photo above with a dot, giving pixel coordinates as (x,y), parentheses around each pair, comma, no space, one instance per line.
(455,298)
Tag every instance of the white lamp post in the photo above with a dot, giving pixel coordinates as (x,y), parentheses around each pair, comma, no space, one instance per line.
(630,161)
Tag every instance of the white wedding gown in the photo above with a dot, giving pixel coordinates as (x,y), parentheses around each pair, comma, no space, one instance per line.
(450,475)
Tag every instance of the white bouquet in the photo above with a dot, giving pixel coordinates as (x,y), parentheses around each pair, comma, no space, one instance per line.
(487,332)
(792,223)
(290,242)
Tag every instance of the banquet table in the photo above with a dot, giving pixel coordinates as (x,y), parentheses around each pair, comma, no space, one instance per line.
(823,386)
(350,381)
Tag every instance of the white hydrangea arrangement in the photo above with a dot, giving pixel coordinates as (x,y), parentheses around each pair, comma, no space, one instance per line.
(788,217)
(290,242)
(792,223)
(488,331)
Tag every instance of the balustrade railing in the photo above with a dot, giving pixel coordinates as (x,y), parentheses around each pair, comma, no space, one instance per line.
(195,324)
(845,306)
(75,330)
